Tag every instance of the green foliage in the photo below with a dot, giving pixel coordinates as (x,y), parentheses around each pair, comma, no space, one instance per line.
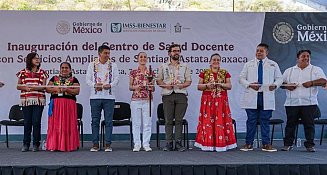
(161,5)
(24,6)
(266,6)
(5,6)
(50,1)
(195,3)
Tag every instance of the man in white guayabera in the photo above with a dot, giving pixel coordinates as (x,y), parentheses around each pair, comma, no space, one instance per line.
(102,76)
(302,81)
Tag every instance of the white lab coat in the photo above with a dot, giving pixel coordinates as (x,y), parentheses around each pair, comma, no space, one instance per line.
(271,75)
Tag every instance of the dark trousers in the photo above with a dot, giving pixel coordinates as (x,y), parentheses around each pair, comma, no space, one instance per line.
(32,119)
(175,106)
(251,124)
(307,115)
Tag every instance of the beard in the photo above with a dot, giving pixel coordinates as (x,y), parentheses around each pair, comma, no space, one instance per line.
(175,57)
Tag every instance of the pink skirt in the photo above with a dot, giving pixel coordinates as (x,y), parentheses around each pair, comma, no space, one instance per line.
(63,132)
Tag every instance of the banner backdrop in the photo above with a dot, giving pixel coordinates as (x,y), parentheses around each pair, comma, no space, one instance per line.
(75,37)
(287,33)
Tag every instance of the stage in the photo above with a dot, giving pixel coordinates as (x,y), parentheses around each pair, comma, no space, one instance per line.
(122,161)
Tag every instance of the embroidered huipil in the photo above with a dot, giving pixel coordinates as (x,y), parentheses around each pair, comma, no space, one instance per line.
(209,77)
(62,81)
(34,79)
(140,79)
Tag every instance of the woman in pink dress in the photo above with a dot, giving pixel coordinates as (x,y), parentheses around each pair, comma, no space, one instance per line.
(62,124)
(215,129)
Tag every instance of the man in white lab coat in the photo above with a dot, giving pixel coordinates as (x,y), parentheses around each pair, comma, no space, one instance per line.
(260,77)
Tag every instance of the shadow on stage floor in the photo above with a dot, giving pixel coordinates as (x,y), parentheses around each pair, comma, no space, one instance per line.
(192,162)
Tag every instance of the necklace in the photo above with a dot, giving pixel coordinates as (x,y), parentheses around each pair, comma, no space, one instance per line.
(65,81)
(209,77)
(107,75)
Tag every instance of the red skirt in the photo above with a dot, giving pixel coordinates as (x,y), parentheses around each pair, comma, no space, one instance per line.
(215,130)
(63,132)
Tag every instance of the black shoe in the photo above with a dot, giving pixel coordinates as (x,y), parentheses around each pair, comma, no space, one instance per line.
(179,147)
(25,148)
(35,148)
(311,149)
(168,147)
(287,148)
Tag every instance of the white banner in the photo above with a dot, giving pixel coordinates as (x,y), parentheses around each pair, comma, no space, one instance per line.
(75,37)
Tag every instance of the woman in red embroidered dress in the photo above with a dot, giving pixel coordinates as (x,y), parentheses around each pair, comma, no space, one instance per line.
(215,129)
(62,124)
(31,81)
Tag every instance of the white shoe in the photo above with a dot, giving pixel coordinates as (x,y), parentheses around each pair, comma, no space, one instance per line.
(136,148)
(147,149)
(94,149)
(108,149)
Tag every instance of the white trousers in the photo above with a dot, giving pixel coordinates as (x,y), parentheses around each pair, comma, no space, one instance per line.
(141,115)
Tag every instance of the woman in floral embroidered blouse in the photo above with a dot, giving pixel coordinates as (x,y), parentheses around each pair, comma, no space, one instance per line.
(62,124)
(32,99)
(140,109)
(215,129)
